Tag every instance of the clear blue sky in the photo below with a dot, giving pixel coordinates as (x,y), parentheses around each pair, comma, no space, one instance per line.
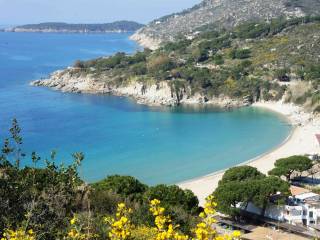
(94,11)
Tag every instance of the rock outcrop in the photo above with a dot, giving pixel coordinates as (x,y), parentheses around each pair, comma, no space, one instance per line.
(160,93)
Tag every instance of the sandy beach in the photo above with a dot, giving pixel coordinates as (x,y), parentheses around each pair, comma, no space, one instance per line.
(301,141)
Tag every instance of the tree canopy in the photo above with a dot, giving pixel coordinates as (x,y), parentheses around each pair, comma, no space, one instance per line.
(242,173)
(286,166)
(125,186)
(244,184)
(173,195)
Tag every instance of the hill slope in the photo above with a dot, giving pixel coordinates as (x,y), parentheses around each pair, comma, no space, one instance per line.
(250,62)
(222,13)
(119,26)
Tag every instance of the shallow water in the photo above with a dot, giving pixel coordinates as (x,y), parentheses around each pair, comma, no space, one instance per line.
(156,145)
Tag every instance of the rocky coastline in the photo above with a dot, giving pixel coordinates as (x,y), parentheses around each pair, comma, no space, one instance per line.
(152,94)
(145,40)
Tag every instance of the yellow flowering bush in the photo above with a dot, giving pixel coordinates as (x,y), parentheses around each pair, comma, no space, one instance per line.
(122,229)
(166,230)
(120,226)
(204,230)
(77,231)
(144,233)
(19,234)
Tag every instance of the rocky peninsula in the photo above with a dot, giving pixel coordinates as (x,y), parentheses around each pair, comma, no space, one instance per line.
(153,94)
(57,27)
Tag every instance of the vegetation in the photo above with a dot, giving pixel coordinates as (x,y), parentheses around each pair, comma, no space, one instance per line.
(53,202)
(286,166)
(127,26)
(242,185)
(223,62)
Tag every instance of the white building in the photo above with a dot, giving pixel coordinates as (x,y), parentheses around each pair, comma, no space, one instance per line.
(302,208)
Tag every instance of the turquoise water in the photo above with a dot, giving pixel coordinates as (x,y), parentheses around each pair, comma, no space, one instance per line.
(156,145)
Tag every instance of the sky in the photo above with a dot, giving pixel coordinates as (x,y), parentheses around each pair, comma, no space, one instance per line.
(87,11)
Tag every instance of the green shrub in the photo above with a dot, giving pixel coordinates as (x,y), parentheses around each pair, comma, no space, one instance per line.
(218,59)
(173,196)
(240,53)
(125,186)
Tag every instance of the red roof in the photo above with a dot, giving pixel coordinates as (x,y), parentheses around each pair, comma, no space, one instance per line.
(298,190)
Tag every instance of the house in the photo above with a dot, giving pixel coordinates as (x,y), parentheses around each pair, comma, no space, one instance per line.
(301,208)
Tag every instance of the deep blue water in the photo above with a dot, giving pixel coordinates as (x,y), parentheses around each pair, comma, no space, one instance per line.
(156,145)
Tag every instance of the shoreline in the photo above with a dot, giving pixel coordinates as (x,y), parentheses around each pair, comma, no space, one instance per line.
(301,140)
(150,94)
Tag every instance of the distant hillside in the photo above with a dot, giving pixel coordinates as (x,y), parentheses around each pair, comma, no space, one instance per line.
(119,26)
(223,14)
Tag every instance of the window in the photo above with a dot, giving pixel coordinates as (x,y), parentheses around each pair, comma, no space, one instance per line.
(310,214)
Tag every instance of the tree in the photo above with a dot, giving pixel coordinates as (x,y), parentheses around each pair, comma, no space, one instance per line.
(239,174)
(174,196)
(126,186)
(229,195)
(266,188)
(241,185)
(286,166)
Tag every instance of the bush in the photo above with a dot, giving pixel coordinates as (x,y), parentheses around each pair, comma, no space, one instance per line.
(160,63)
(240,53)
(139,68)
(79,64)
(125,186)
(252,30)
(174,196)
(200,54)
(111,62)
(282,74)
(138,57)
(38,195)
(218,59)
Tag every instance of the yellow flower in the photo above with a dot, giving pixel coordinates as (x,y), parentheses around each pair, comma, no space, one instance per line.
(236,234)
(73,220)
(19,234)
(121,226)
(166,230)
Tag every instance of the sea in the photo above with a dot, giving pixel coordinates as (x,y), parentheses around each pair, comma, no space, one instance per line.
(118,136)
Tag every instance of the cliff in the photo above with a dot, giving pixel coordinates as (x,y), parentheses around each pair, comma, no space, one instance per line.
(152,93)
